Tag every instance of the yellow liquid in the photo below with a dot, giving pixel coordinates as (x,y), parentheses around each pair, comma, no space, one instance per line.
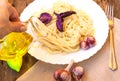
(15,44)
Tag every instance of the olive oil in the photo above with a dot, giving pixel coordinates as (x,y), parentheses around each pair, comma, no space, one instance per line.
(15,44)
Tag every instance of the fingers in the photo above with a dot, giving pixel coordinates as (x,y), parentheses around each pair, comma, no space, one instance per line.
(12,27)
(17,26)
(9,19)
(13,14)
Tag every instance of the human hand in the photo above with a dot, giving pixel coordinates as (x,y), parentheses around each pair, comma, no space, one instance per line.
(9,19)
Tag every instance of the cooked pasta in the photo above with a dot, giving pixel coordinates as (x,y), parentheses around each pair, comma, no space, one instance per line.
(76,28)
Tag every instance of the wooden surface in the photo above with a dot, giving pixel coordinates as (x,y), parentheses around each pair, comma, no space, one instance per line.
(95,68)
(6,74)
(21,4)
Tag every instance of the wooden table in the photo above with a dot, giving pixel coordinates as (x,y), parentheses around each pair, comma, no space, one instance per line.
(6,74)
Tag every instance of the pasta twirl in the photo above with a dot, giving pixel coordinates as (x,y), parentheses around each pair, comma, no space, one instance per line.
(76,28)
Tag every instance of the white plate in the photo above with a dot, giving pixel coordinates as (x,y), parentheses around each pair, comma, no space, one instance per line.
(99,21)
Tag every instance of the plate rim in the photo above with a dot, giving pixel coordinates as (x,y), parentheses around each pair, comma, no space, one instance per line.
(93,2)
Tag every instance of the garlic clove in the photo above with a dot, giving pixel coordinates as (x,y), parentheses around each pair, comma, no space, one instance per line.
(77,73)
(61,75)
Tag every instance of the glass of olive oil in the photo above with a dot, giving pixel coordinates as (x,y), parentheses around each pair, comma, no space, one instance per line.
(15,44)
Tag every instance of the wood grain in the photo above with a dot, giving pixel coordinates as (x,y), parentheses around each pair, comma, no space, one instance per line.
(102,3)
(6,74)
(21,4)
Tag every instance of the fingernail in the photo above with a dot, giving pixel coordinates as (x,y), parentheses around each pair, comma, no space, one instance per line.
(23,29)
